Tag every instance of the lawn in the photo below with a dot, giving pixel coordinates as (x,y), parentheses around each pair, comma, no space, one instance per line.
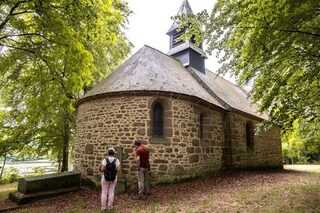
(295,189)
(6,189)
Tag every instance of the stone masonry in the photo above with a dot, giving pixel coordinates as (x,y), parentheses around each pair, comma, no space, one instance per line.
(266,152)
(182,153)
(118,121)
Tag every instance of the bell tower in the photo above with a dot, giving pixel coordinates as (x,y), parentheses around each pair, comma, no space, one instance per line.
(187,52)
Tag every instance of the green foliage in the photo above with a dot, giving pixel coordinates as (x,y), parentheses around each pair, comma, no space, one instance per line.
(293,146)
(299,146)
(50,53)
(310,130)
(11,175)
(274,45)
(39,170)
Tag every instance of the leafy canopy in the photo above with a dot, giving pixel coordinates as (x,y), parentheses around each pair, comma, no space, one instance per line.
(272,45)
(50,52)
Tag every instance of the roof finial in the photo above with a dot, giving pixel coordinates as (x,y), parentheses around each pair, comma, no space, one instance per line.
(184,9)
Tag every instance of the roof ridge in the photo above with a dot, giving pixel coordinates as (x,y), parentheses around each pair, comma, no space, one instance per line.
(148,70)
(199,80)
(161,52)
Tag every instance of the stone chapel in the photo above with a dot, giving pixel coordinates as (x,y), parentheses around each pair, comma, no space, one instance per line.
(194,121)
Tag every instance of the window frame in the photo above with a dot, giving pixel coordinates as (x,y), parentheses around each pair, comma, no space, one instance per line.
(157,133)
(249,135)
(201,126)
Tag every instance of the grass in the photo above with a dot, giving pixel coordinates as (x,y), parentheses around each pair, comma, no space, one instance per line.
(6,189)
(304,168)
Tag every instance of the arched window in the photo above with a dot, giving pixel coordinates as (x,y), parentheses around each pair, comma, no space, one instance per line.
(157,120)
(249,135)
(201,126)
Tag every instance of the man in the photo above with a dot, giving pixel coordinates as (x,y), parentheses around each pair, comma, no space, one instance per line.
(143,166)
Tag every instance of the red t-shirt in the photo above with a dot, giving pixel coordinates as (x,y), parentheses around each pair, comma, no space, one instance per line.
(143,152)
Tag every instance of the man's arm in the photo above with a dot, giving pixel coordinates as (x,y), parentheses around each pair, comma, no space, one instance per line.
(138,161)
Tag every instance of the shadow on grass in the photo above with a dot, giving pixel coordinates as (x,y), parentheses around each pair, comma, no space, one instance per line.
(6,189)
(230,191)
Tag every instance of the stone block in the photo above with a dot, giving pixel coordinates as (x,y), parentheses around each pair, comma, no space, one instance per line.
(195,142)
(44,186)
(163,167)
(179,170)
(190,150)
(89,136)
(197,150)
(90,172)
(193,158)
(169,150)
(20,198)
(49,182)
(160,161)
(141,131)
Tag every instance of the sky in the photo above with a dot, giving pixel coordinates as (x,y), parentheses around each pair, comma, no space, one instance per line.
(151,19)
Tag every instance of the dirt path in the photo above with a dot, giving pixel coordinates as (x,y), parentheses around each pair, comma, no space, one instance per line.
(260,191)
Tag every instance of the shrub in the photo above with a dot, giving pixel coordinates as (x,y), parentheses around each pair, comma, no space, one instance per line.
(11,175)
(39,170)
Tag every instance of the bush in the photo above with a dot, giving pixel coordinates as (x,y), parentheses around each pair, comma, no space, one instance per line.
(39,170)
(11,175)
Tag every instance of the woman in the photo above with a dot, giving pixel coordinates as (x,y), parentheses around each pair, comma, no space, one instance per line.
(109,166)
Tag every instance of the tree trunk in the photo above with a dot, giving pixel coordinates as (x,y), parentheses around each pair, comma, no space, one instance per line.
(65,156)
(59,161)
(4,163)
(66,142)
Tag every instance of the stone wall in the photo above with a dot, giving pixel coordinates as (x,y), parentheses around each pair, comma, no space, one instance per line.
(266,151)
(118,121)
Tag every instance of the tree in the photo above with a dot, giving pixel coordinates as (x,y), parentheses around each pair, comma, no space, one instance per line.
(302,143)
(273,45)
(50,52)
(310,133)
(293,146)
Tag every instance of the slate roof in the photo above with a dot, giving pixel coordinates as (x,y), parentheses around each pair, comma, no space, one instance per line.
(151,70)
(234,96)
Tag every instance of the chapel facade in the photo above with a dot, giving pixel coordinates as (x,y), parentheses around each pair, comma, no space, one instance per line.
(194,122)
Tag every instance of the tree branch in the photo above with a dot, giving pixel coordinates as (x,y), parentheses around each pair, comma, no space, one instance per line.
(15,6)
(31,34)
(17,48)
(22,12)
(285,30)
(298,31)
